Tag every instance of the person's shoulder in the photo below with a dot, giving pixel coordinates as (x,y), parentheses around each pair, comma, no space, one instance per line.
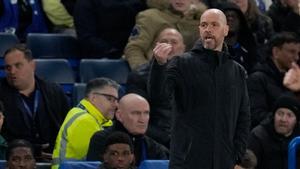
(150,12)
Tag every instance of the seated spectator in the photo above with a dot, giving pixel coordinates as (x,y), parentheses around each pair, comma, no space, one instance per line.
(160,120)
(61,20)
(184,16)
(285,15)
(3,143)
(132,118)
(34,108)
(240,40)
(21,17)
(118,152)
(20,155)
(260,24)
(103,26)
(269,141)
(265,83)
(92,113)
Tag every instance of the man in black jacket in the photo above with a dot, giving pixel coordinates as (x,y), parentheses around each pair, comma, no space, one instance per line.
(34,109)
(211,122)
(269,141)
(265,84)
(132,118)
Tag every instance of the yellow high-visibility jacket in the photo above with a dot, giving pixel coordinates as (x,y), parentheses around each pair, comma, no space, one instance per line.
(74,135)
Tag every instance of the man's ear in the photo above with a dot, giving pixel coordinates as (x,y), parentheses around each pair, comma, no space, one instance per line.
(118,115)
(132,159)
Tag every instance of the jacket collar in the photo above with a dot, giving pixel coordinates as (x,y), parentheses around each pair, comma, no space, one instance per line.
(93,111)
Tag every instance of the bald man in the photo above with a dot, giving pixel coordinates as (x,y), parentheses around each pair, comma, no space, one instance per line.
(132,117)
(211,118)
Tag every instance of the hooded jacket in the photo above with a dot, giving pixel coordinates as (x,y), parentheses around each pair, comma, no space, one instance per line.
(211,122)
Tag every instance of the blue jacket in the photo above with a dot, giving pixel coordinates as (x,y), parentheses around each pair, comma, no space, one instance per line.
(10,19)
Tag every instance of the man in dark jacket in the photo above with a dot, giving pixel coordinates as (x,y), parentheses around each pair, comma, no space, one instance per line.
(103,27)
(132,118)
(211,122)
(269,141)
(34,109)
(265,84)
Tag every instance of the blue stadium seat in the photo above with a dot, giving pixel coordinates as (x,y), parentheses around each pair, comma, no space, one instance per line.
(57,71)
(52,45)
(7,40)
(116,69)
(79,165)
(154,164)
(78,92)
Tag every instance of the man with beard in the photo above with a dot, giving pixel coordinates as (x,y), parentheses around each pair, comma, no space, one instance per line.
(211,118)
(92,114)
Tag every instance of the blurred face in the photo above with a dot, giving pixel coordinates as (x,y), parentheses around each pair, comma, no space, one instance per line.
(284,121)
(181,5)
(232,21)
(285,55)
(174,38)
(118,156)
(105,100)
(19,71)
(213,29)
(21,158)
(242,4)
(134,115)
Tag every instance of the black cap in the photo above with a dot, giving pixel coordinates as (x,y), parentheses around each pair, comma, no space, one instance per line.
(289,102)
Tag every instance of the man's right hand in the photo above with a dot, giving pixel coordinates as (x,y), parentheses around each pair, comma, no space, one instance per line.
(161,52)
(292,78)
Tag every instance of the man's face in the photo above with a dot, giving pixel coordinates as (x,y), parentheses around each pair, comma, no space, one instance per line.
(21,158)
(19,71)
(284,121)
(213,29)
(232,21)
(285,55)
(135,116)
(105,100)
(181,5)
(118,156)
(173,38)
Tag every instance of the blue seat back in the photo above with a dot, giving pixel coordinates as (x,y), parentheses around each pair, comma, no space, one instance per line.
(7,40)
(154,164)
(79,165)
(115,69)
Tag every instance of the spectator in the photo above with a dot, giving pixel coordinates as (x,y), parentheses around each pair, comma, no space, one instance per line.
(21,17)
(118,152)
(182,15)
(265,84)
(285,15)
(93,113)
(269,141)
(20,154)
(240,40)
(132,118)
(207,125)
(260,24)
(61,20)
(160,120)
(103,26)
(34,109)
